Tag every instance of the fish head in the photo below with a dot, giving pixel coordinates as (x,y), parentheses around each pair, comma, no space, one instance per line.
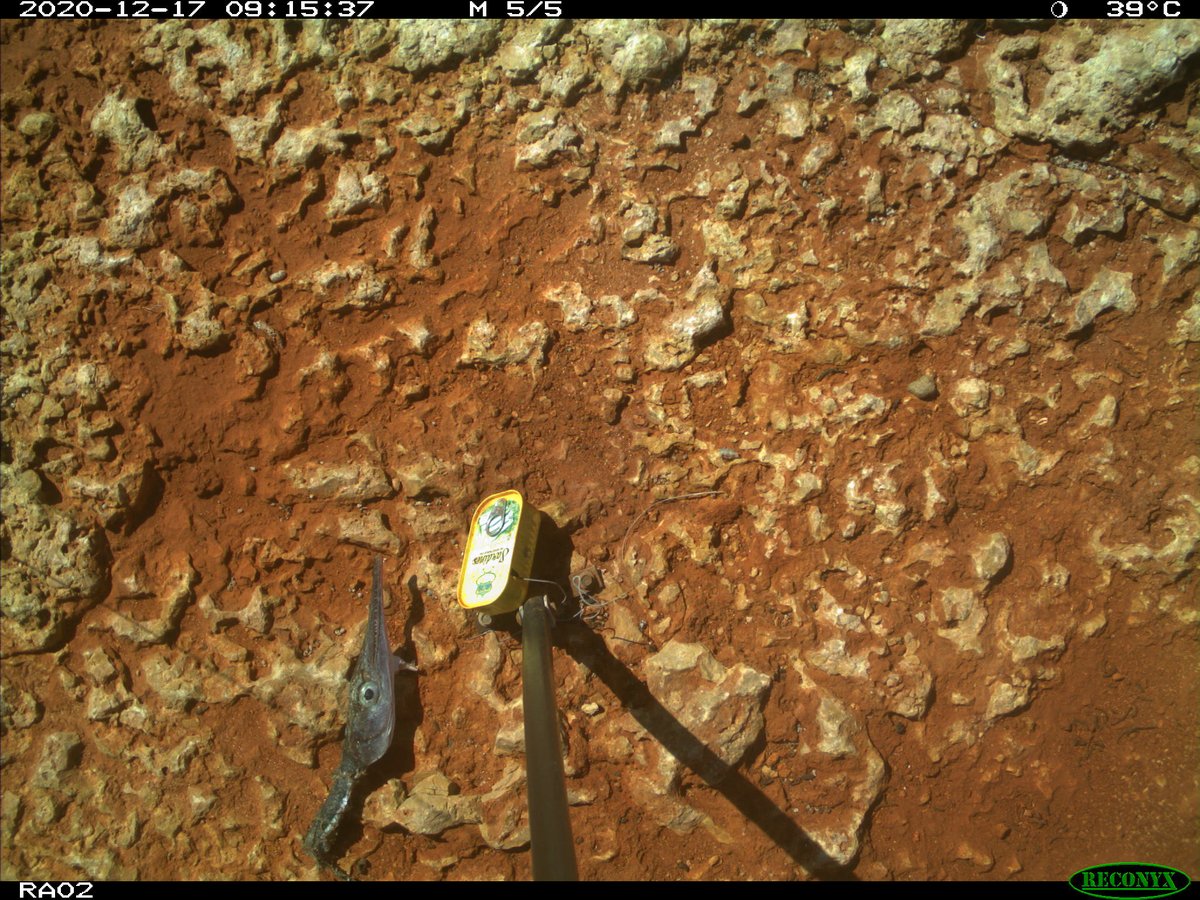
(371,715)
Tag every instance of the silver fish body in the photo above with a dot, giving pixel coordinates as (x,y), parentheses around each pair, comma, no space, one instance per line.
(371,713)
(370,722)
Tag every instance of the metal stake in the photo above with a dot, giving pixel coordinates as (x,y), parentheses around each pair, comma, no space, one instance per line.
(549,824)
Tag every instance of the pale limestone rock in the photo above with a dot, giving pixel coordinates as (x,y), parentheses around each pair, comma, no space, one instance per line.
(857,69)
(1027,647)
(356,191)
(794,117)
(1015,204)
(430,132)
(1173,558)
(818,525)
(257,615)
(576,305)
(957,139)
(1187,329)
(671,135)
(836,727)
(117,121)
(558,141)
(579,309)
(1095,206)
(831,657)
(357,286)
(678,340)
(910,686)
(434,805)
(63,572)
(251,135)
(420,243)
(367,528)
(1006,699)
(537,124)
(174,599)
(19,709)
(785,320)
(647,56)
(382,806)
(132,224)
(790,36)
(849,766)
(1108,290)
(948,309)
(423,44)
(504,823)
(964,615)
(823,151)
(486,347)
(899,112)
(991,556)
(116,499)
(563,84)
(61,752)
(654,249)
(201,332)
(354,481)
(39,126)
(721,707)
(523,55)
(1105,415)
(723,240)
(422,476)
(299,148)
(1086,104)
(910,45)
(970,397)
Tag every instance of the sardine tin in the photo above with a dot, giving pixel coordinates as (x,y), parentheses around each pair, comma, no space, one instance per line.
(499,554)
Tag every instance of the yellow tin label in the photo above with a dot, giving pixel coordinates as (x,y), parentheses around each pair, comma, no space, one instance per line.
(499,553)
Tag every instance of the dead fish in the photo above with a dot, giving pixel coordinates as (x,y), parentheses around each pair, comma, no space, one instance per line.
(370,721)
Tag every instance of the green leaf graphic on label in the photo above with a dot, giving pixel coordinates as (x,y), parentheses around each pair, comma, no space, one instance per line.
(484,582)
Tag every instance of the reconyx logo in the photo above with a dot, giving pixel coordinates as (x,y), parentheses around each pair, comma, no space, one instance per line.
(1128,880)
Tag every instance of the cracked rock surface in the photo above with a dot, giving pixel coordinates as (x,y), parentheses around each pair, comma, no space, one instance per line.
(860,359)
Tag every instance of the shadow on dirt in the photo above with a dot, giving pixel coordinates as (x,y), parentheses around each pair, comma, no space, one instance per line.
(552,562)
(589,649)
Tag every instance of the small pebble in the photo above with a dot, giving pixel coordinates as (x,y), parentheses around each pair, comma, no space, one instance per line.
(924,388)
(276,277)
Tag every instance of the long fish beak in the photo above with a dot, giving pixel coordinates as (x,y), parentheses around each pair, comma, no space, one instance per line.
(395,663)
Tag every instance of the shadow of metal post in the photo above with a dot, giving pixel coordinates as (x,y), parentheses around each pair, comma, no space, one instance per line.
(589,649)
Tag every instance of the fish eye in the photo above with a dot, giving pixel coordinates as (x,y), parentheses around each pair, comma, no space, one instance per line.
(368,693)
